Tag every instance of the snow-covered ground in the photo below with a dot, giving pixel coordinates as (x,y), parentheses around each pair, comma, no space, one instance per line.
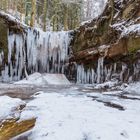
(80,112)
(77,117)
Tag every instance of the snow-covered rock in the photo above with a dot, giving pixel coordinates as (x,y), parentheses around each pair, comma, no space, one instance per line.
(108,84)
(133,88)
(131,29)
(43,79)
(10,107)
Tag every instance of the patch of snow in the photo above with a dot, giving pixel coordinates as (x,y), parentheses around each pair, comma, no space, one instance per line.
(12,18)
(44,79)
(84,22)
(56,79)
(133,88)
(131,29)
(9,107)
(103,47)
(108,84)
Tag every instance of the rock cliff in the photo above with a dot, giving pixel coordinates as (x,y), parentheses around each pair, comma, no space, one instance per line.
(115,36)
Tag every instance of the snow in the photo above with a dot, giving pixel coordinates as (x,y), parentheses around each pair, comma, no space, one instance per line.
(76,117)
(133,88)
(77,112)
(119,25)
(127,28)
(12,18)
(56,79)
(108,84)
(9,107)
(45,79)
(131,29)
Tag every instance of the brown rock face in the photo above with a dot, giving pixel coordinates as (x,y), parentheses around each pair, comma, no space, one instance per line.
(105,37)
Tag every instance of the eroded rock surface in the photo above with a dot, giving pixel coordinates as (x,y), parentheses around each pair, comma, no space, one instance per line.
(114,35)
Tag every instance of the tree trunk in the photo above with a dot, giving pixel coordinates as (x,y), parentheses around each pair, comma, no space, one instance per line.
(33,2)
(45,15)
(66,18)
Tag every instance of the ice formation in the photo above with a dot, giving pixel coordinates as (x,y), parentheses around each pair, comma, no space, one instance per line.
(1,57)
(35,51)
(48,52)
(92,75)
(105,73)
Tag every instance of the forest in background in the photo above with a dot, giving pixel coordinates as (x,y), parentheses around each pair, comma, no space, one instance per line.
(52,15)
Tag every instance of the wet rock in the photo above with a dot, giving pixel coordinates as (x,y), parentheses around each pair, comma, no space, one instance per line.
(12,128)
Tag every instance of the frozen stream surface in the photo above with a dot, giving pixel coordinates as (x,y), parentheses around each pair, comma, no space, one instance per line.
(76,112)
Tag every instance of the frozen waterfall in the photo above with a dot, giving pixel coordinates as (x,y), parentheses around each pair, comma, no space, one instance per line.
(36,51)
(48,52)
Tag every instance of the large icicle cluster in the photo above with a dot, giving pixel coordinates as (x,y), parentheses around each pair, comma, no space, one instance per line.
(105,73)
(35,51)
(47,52)
(91,75)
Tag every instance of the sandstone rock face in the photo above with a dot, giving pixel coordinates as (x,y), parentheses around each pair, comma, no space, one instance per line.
(114,35)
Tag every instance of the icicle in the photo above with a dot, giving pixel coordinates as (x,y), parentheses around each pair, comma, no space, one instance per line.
(1,57)
(108,73)
(92,76)
(115,67)
(136,68)
(100,69)
(124,67)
